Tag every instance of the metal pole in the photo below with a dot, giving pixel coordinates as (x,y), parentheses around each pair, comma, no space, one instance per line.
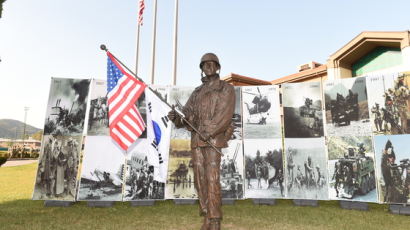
(154,35)
(137,49)
(174,75)
(24,130)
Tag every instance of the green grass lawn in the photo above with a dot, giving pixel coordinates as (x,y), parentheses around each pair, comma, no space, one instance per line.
(17,211)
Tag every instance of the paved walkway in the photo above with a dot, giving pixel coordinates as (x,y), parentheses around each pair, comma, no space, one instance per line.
(17,162)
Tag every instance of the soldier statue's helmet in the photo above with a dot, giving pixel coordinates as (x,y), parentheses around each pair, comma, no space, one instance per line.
(209,57)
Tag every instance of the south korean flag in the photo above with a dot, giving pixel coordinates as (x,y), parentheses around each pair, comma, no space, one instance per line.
(158,134)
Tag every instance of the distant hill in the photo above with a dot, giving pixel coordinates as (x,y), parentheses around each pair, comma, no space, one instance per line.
(8,129)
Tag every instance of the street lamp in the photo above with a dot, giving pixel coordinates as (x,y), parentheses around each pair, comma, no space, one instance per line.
(24,130)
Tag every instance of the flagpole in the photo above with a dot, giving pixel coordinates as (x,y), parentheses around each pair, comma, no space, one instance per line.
(154,35)
(103,47)
(138,48)
(174,76)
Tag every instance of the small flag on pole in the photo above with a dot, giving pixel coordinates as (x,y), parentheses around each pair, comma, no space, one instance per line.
(141,11)
(125,121)
(158,134)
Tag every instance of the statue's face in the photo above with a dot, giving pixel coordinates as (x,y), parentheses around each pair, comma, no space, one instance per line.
(209,68)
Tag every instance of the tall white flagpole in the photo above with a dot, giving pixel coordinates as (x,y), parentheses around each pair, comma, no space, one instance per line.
(138,49)
(154,34)
(141,7)
(174,75)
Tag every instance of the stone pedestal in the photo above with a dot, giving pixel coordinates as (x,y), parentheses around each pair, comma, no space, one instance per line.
(400,209)
(264,201)
(142,202)
(185,201)
(313,203)
(355,205)
(57,203)
(228,201)
(100,204)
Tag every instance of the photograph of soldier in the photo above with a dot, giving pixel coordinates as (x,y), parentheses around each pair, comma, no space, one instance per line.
(180,181)
(306,168)
(389,102)
(98,115)
(139,175)
(237,116)
(102,170)
(66,107)
(351,168)
(264,168)
(261,112)
(393,168)
(347,111)
(302,108)
(57,168)
(232,178)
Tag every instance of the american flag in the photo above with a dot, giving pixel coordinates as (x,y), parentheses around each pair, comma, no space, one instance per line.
(141,11)
(125,121)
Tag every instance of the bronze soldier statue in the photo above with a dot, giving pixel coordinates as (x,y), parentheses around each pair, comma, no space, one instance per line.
(209,109)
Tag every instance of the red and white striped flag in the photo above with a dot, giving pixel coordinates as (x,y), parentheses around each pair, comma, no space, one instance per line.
(141,11)
(125,121)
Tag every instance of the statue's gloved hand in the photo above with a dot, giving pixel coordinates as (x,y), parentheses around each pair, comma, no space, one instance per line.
(204,136)
(173,115)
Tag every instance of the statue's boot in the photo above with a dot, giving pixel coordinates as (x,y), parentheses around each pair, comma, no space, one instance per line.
(215,224)
(205,225)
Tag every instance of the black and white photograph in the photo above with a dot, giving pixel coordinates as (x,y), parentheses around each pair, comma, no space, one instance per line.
(351,168)
(162,91)
(142,108)
(389,103)
(66,107)
(346,105)
(261,112)
(57,168)
(302,108)
(237,116)
(231,176)
(393,168)
(102,170)
(306,168)
(139,175)
(178,96)
(98,114)
(180,180)
(264,176)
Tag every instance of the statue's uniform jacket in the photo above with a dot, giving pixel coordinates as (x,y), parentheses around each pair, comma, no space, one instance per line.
(210,109)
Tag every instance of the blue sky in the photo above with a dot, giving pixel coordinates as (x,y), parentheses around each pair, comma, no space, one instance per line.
(262,39)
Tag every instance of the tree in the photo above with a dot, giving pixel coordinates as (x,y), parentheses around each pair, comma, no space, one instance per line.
(1,6)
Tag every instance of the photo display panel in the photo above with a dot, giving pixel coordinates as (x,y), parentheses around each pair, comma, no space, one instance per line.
(389,104)
(102,170)
(305,152)
(232,170)
(180,182)
(351,165)
(57,171)
(262,131)
(139,175)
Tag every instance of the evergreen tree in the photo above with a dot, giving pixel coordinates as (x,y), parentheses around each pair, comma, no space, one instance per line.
(1,6)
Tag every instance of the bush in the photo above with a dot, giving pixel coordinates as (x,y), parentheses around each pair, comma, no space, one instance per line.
(2,160)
